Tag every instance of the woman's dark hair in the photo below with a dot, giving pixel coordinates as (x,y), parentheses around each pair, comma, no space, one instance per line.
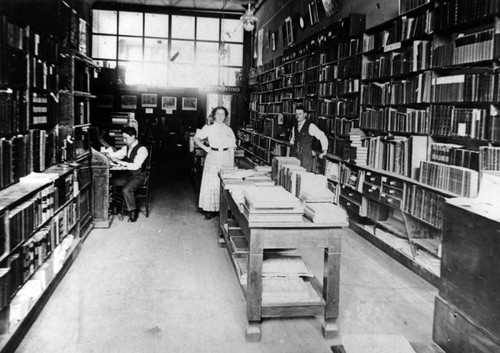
(222,108)
(129,130)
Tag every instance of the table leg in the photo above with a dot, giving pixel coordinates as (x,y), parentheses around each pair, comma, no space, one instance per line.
(222,216)
(254,297)
(331,287)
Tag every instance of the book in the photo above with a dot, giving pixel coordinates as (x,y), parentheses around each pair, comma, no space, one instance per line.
(270,197)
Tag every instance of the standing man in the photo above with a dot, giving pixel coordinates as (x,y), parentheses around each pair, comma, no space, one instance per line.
(131,157)
(303,134)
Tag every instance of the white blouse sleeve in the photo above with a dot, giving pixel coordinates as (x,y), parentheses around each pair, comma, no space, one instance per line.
(203,133)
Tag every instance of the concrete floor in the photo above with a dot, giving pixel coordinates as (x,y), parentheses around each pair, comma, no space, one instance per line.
(163,285)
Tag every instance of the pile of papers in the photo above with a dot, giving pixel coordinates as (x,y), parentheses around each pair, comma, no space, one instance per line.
(318,195)
(271,204)
(324,212)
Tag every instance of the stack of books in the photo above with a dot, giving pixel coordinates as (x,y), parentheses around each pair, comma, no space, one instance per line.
(318,195)
(325,212)
(271,204)
(277,164)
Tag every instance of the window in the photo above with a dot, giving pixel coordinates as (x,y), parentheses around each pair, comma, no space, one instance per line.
(156,25)
(168,50)
(183,27)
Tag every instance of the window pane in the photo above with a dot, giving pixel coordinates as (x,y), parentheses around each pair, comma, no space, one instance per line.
(130,23)
(207,28)
(155,74)
(185,50)
(156,49)
(230,75)
(207,53)
(130,48)
(233,30)
(234,55)
(104,21)
(156,25)
(183,27)
(110,64)
(133,72)
(182,75)
(207,75)
(104,47)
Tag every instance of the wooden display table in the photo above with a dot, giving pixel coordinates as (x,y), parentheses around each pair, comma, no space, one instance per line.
(261,236)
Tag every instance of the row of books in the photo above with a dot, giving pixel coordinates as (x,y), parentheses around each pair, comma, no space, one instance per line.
(408,5)
(392,154)
(350,48)
(13,35)
(468,48)
(489,158)
(270,97)
(406,27)
(448,120)
(412,58)
(45,47)
(424,204)
(12,112)
(43,75)
(337,144)
(456,12)
(28,216)
(453,154)
(414,89)
(340,87)
(339,107)
(405,120)
(480,87)
(349,68)
(336,125)
(458,180)
(312,75)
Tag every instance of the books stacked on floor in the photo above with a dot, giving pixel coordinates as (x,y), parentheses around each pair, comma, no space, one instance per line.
(325,212)
(271,204)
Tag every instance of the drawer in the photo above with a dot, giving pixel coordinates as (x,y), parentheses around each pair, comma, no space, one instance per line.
(396,193)
(349,205)
(351,194)
(390,200)
(399,184)
(373,178)
(371,191)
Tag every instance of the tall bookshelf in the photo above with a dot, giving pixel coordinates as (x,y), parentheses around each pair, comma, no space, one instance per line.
(411,109)
(44,155)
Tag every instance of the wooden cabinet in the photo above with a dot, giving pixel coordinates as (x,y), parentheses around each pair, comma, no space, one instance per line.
(467,309)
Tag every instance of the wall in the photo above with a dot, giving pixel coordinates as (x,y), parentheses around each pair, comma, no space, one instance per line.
(271,17)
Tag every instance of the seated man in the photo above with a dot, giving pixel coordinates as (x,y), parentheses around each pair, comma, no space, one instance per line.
(132,158)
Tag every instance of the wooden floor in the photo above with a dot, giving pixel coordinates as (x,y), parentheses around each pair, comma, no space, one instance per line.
(163,285)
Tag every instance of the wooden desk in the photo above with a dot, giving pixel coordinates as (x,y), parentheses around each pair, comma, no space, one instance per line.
(262,236)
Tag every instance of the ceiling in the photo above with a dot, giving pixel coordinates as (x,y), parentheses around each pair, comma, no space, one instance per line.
(204,5)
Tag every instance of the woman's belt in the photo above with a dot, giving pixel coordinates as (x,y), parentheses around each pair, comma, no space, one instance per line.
(219,149)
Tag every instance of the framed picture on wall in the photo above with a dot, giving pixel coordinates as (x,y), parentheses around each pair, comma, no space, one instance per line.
(313,12)
(129,102)
(331,7)
(289,30)
(149,100)
(189,103)
(169,103)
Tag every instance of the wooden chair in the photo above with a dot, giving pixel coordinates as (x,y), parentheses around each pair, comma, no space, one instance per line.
(141,193)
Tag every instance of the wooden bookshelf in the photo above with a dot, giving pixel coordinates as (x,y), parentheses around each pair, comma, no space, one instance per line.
(44,153)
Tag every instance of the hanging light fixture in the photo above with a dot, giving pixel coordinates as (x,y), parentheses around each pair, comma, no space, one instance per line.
(248,19)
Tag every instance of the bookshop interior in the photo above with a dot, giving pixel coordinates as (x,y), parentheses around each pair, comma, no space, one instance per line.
(298,176)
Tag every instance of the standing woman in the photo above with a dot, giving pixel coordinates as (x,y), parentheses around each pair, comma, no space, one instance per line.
(220,152)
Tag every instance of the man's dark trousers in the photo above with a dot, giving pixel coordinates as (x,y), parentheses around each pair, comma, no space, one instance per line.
(130,181)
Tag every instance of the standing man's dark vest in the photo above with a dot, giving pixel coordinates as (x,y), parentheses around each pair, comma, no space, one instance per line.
(130,159)
(302,148)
